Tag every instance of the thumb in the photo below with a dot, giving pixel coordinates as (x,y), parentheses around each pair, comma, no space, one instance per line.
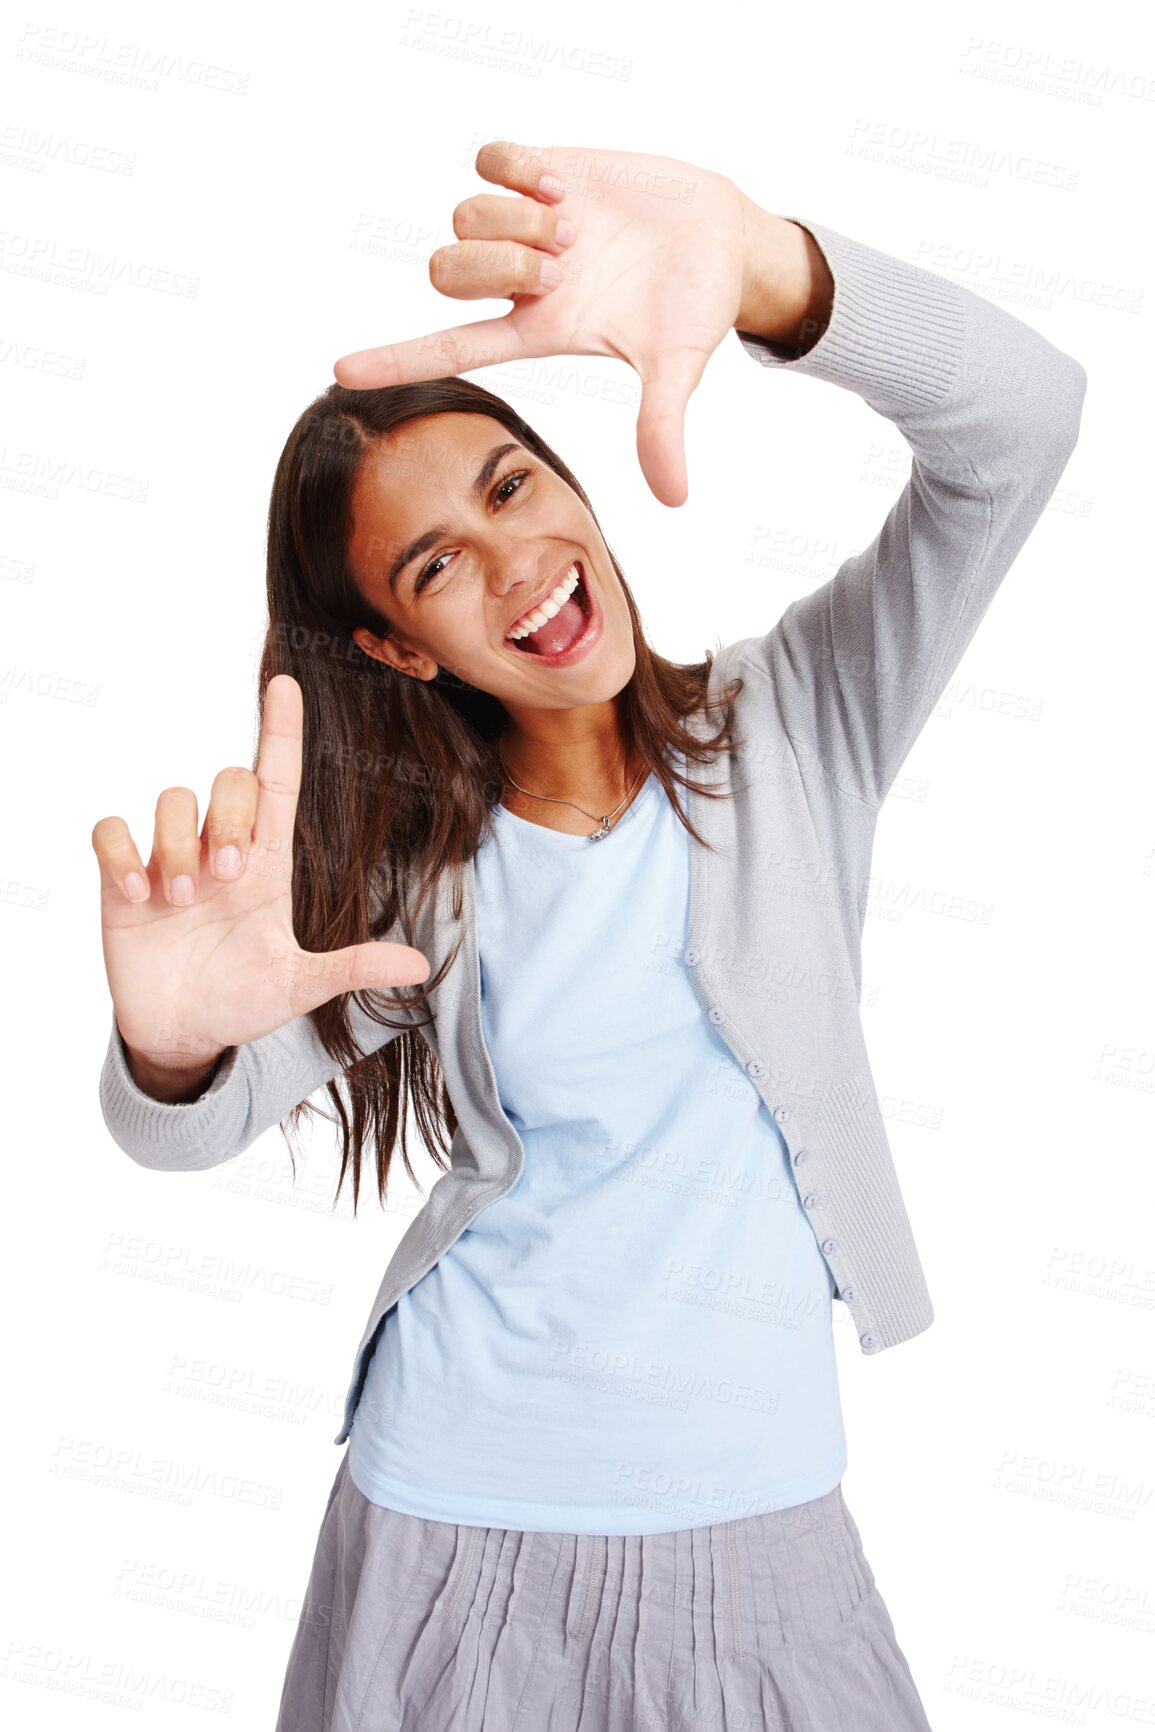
(378,963)
(661,425)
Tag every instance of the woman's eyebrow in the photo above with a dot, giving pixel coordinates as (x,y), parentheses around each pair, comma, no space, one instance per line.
(477,491)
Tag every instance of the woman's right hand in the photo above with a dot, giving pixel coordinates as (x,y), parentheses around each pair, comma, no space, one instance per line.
(191,979)
(665,259)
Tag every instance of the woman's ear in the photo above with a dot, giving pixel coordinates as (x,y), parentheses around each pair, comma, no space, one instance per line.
(395,654)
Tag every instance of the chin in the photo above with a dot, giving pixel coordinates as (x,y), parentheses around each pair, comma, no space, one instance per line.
(604,682)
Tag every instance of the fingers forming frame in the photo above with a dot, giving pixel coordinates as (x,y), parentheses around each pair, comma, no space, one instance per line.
(505,246)
(247,809)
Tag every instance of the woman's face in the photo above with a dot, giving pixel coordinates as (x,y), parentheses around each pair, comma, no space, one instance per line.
(455,540)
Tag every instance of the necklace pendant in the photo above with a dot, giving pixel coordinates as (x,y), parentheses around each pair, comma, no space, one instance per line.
(602,830)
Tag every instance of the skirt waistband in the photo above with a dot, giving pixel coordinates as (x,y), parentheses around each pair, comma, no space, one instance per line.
(429,1626)
(759,1582)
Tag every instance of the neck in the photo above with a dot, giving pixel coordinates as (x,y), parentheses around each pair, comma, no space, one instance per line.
(574,754)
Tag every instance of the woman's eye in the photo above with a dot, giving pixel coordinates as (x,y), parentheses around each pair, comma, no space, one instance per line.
(518,475)
(434,568)
(428,572)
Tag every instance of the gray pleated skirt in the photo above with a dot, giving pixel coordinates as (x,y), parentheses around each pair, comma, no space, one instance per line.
(414,1625)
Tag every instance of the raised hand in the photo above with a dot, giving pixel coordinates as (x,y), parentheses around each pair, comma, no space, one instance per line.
(192,977)
(664,259)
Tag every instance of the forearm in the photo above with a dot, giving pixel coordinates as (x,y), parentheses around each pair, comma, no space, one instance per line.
(788,292)
(976,392)
(990,409)
(188,1125)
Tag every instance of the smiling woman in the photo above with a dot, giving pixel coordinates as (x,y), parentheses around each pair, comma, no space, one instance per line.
(412,529)
(504,578)
(594,1474)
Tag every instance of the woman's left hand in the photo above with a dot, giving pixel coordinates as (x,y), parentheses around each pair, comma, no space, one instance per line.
(666,258)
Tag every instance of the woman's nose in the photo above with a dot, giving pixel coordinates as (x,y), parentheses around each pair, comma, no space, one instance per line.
(517,571)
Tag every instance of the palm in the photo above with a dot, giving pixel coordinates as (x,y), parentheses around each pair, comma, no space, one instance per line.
(218,973)
(652,280)
(226,969)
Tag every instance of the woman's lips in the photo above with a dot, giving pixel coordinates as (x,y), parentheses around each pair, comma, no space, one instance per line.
(559,577)
(585,639)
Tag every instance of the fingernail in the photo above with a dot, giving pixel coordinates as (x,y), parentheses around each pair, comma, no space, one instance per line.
(136,887)
(551,183)
(565,232)
(227,859)
(183,888)
(551,272)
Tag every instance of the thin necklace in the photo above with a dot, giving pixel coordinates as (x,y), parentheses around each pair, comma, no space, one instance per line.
(604,825)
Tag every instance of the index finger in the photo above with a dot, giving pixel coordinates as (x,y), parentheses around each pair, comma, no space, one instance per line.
(504,163)
(457,349)
(485,342)
(279,765)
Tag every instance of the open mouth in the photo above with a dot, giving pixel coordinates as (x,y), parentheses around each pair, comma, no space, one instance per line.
(568,629)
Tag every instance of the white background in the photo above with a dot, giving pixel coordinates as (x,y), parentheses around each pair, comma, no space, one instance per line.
(293,172)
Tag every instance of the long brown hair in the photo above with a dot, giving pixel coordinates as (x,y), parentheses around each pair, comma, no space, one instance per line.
(399,774)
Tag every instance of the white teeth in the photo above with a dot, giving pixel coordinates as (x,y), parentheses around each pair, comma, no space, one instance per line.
(553,603)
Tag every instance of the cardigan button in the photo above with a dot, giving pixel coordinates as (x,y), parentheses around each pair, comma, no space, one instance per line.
(846,1293)
(756,1067)
(869,1342)
(829,1245)
(717,1014)
(693,957)
(781,1113)
(801,1156)
(809,1200)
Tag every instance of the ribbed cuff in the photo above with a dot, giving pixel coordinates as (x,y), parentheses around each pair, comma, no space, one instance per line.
(183,1123)
(895,334)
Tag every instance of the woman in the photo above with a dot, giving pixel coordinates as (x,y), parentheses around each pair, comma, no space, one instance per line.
(595,1448)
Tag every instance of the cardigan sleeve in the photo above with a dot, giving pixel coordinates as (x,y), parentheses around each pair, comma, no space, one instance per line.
(255,1086)
(991,412)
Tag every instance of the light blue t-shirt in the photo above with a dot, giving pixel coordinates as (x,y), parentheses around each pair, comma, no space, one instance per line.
(638,1335)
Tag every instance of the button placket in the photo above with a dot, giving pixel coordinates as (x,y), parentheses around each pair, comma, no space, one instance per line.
(756,1067)
(829,1243)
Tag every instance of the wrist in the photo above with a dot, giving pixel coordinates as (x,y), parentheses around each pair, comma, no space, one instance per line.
(170,1077)
(787,289)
